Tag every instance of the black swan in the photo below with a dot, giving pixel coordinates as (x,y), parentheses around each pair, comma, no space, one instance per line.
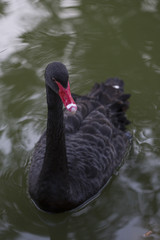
(78,153)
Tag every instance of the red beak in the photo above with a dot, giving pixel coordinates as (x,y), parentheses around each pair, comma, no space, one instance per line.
(65,95)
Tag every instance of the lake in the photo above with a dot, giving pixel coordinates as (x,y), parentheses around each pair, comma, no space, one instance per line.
(95,40)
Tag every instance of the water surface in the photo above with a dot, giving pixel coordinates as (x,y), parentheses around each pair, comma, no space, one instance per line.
(95,40)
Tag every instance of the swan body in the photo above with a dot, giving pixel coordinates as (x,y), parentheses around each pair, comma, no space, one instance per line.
(77,154)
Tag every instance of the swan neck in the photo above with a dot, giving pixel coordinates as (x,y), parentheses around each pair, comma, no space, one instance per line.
(55,155)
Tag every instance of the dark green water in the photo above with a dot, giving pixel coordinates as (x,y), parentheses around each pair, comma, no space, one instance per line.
(96,40)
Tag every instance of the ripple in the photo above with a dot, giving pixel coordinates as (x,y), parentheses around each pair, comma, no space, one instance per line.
(149,5)
(5,143)
(69,13)
(20,16)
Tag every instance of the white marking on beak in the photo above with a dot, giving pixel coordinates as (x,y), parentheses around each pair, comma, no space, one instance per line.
(71,105)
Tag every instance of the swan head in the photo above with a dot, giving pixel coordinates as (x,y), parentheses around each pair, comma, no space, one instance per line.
(57,78)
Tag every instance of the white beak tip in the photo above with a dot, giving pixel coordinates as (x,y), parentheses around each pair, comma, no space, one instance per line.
(72,107)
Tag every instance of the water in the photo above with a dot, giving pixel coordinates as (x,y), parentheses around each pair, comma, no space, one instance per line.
(95,40)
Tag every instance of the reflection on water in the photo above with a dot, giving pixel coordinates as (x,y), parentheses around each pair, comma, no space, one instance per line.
(95,40)
(18,17)
(150,5)
(69,9)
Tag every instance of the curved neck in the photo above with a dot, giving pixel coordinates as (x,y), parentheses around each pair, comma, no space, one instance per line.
(55,162)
